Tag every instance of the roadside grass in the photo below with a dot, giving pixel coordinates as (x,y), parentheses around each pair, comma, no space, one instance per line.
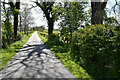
(54,31)
(8,53)
(62,52)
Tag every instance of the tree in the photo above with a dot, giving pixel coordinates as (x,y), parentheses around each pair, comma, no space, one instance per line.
(20,23)
(42,28)
(72,18)
(7,31)
(27,19)
(47,8)
(15,8)
(98,11)
(117,11)
(108,20)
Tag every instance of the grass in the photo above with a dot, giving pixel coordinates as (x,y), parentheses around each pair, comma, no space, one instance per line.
(7,54)
(62,52)
(54,31)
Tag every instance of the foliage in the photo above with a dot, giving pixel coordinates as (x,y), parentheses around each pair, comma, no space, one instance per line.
(96,48)
(51,13)
(108,20)
(54,40)
(15,12)
(72,18)
(62,52)
(19,36)
(87,16)
(42,36)
(39,28)
(7,27)
(10,51)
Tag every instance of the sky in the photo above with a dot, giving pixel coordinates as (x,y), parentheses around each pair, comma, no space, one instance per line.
(39,20)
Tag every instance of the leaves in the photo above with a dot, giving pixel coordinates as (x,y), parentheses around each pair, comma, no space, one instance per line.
(97,45)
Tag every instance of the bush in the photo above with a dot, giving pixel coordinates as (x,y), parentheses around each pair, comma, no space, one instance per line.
(54,40)
(19,36)
(98,46)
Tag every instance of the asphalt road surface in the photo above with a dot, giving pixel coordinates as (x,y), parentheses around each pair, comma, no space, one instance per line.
(35,60)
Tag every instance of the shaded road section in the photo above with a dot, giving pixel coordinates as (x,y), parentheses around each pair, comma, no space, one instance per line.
(35,60)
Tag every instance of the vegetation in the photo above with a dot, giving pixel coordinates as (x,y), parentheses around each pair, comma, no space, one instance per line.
(97,46)
(70,22)
(12,49)
(15,11)
(50,13)
(62,52)
(94,50)
(87,42)
(13,38)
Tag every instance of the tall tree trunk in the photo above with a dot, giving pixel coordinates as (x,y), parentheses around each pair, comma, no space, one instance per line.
(25,25)
(16,6)
(20,24)
(50,26)
(97,12)
(15,25)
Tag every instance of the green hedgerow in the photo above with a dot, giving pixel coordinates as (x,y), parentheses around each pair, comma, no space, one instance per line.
(98,47)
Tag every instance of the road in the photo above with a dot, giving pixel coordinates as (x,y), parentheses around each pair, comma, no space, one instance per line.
(35,60)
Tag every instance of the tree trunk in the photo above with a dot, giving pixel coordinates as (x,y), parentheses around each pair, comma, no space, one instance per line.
(20,24)
(15,25)
(25,29)
(97,12)
(3,41)
(50,26)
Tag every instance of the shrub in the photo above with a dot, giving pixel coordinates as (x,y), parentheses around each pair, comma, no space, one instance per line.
(19,36)
(53,40)
(98,46)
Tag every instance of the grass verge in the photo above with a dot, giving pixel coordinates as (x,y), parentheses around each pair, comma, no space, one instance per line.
(7,54)
(62,52)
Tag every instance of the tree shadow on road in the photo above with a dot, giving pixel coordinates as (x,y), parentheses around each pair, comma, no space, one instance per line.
(34,61)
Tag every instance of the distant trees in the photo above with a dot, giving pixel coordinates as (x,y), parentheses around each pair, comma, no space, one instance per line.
(26,19)
(39,28)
